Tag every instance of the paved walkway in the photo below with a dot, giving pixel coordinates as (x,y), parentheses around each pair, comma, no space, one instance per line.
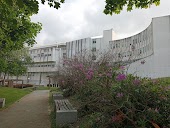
(30,112)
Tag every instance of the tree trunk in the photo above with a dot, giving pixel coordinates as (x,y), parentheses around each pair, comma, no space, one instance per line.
(3,83)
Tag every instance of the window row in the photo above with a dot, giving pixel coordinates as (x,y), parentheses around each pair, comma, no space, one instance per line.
(40,50)
(137,52)
(47,65)
(42,55)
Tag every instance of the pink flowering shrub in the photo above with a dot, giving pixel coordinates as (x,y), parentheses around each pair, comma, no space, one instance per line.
(77,72)
(109,98)
(120,77)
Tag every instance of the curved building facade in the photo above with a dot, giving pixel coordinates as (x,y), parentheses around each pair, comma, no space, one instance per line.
(149,50)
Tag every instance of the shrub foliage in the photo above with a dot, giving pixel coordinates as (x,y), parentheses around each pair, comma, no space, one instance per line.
(110,97)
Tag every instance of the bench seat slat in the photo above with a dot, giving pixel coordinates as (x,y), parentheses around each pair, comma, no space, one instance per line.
(69,106)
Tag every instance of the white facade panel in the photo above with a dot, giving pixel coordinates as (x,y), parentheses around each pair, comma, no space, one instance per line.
(158,64)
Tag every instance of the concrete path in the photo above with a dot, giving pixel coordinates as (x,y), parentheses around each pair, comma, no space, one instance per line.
(30,112)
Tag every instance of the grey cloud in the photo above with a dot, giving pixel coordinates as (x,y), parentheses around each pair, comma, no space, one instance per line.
(79,19)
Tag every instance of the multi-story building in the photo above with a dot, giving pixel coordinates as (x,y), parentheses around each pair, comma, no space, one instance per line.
(149,50)
(46,60)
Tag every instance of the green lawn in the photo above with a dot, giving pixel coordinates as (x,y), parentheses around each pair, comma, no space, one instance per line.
(11,95)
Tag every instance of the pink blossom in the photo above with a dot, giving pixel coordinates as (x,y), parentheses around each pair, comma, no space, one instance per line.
(122,67)
(167,88)
(81,82)
(119,95)
(117,118)
(143,62)
(89,74)
(136,82)
(109,74)
(100,75)
(81,66)
(155,81)
(121,77)
(89,77)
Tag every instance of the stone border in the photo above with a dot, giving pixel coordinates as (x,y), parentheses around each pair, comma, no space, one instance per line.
(2,102)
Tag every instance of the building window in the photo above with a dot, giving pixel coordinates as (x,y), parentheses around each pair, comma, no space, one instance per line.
(119,55)
(93,57)
(78,45)
(64,55)
(42,54)
(93,49)
(94,41)
(140,51)
(81,45)
(133,47)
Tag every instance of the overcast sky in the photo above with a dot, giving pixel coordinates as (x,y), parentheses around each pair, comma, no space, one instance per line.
(78,19)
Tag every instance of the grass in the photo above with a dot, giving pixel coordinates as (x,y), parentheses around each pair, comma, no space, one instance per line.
(12,95)
(52,111)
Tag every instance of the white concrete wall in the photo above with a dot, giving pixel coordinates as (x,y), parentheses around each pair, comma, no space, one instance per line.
(158,64)
(135,47)
(108,35)
(101,45)
(77,46)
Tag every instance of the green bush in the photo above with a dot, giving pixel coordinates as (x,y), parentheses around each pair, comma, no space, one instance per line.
(111,98)
(132,102)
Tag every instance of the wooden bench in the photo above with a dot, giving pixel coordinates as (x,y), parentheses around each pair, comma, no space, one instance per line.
(65,113)
(57,96)
(2,102)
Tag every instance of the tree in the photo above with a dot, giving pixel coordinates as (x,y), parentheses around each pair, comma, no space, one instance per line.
(15,62)
(113,6)
(16,28)
(116,6)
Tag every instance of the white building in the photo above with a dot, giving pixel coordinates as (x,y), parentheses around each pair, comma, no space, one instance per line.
(93,44)
(150,49)
(45,64)
(149,52)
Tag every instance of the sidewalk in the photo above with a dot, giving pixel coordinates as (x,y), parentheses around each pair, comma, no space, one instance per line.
(30,112)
